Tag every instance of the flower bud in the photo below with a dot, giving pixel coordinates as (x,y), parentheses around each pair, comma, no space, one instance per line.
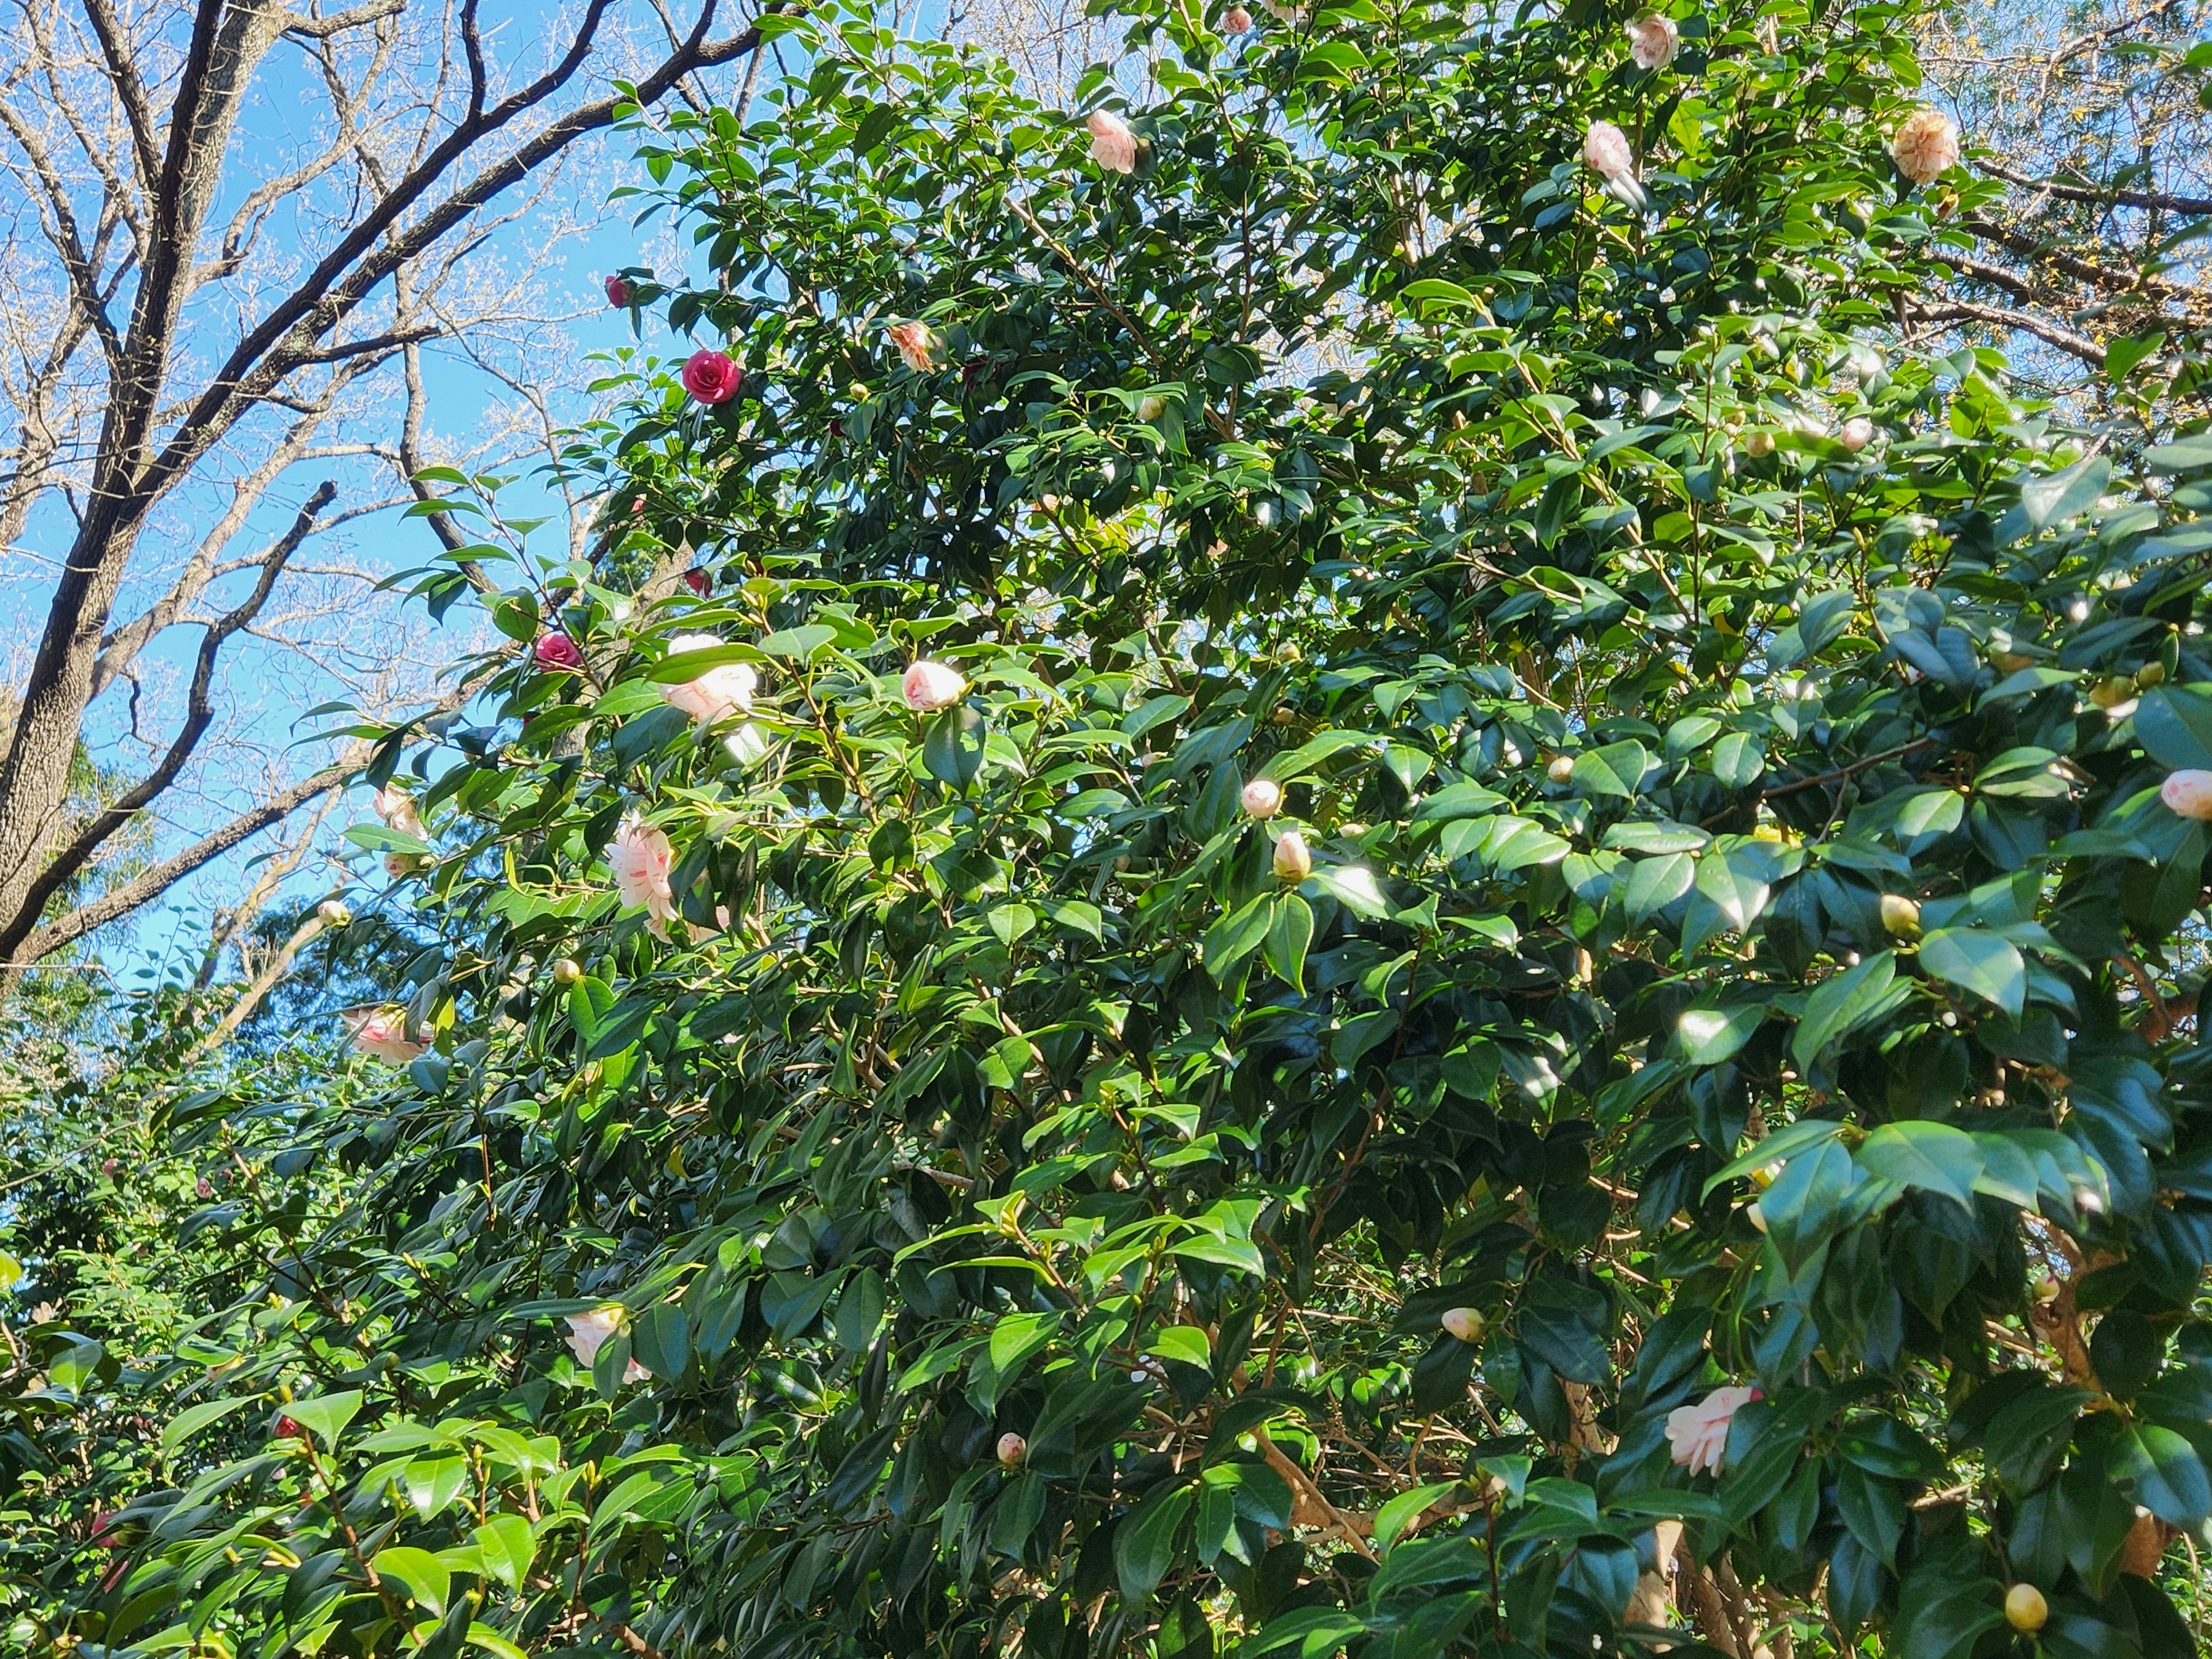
(1855,434)
(1293,863)
(1759,443)
(1900,915)
(619,293)
(1013,1449)
(931,686)
(2188,793)
(2111,691)
(1561,770)
(1754,1215)
(1237,20)
(333,914)
(288,1428)
(2025,1610)
(1467,1324)
(567,971)
(1263,798)
(1150,409)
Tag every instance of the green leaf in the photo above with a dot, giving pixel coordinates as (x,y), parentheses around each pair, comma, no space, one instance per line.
(1974,959)
(190,1420)
(1839,1005)
(952,746)
(325,1415)
(1235,936)
(1935,1158)
(1709,1034)
(507,1548)
(1290,932)
(661,1340)
(1185,1344)
(421,1574)
(1655,883)
(1394,1517)
(1144,1542)
(2165,1473)
(2175,727)
(2065,495)
(1615,770)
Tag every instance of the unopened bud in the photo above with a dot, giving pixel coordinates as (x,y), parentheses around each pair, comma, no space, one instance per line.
(1263,798)
(1465,1323)
(567,971)
(1013,1448)
(333,914)
(1900,915)
(1293,863)
(2025,1610)
(1562,770)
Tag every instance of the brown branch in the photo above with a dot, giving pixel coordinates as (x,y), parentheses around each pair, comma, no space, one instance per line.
(2121,282)
(303,28)
(2109,195)
(1961,311)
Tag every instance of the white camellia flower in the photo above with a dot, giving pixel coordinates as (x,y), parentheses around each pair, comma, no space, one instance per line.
(1699,1433)
(717,694)
(1113,146)
(1926,146)
(1263,798)
(588,1333)
(1653,40)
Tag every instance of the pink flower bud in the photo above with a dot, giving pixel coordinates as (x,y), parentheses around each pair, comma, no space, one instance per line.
(711,377)
(1293,863)
(1263,798)
(929,685)
(1855,434)
(1113,146)
(1653,40)
(557,653)
(619,292)
(288,1428)
(331,913)
(1013,1448)
(396,808)
(1926,146)
(1237,20)
(2188,793)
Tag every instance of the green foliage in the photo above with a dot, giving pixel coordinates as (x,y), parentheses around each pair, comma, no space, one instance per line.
(1700,810)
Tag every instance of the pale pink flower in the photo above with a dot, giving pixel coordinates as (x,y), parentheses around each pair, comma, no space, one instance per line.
(711,377)
(400,865)
(382,1034)
(1699,1433)
(1237,20)
(1467,1324)
(588,1333)
(1294,862)
(641,857)
(2188,793)
(1653,41)
(929,685)
(1855,434)
(1926,146)
(917,344)
(717,694)
(1113,146)
(1606,153)
(1263,798)
(396,808)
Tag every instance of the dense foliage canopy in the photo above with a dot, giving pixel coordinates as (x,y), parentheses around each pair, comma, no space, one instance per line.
(1677,1118)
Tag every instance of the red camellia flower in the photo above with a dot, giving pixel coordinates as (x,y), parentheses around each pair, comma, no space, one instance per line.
(558,651)
(619,292)
(288,1428)
(711,377)
(698,581)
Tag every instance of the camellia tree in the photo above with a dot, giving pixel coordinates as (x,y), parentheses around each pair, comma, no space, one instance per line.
(1380,891)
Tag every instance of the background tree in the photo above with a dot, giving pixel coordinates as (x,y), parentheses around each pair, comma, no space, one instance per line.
(199,312)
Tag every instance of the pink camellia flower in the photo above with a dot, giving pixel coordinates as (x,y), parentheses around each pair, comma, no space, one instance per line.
(396,808)
(1113,146)
(641,857)
(1263,798)
(929,685)
(619,292)
(917,344)
(382,1034)
(588,1333)
(1926,146)
(1855,434)
(1699,1433)
(2188,793)
(1237,20)
(557,653)
(718,693)
(711,377)
(1653,40)
(1606,153)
